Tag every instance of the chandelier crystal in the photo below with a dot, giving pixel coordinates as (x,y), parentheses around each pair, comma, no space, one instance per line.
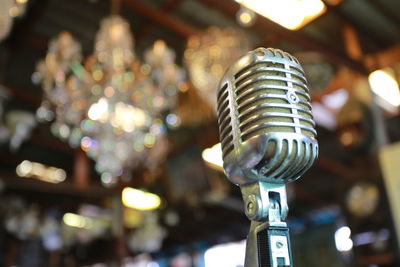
(208,55)
(111,105)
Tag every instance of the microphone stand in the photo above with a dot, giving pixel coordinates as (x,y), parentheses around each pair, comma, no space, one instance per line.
(268,242)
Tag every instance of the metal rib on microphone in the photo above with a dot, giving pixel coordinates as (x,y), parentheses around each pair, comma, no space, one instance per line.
(268,138)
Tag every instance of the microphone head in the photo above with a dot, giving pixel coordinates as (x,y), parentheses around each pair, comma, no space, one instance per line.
(265,122)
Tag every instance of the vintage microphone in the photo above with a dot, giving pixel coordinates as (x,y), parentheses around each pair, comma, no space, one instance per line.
(267,137)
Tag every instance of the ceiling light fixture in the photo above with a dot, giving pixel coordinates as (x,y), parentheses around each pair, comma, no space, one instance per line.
(41,172)
(140,200)
(213,156)
(291,14)
(383,84)
(78,221)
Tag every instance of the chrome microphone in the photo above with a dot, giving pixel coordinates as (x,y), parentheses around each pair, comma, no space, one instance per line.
(268,139)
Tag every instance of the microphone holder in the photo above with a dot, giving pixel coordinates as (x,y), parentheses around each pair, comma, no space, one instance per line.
(268,242)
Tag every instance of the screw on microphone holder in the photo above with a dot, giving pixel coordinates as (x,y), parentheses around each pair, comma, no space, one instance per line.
(268,243)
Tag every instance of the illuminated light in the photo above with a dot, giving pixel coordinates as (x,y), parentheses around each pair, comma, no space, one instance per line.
(59,175)
(96,89)
(342,239)
(128,117)
(22,1)
(291,14)
(323,116)
(64,131)
(41,172)
(14,11)
(371,237)
(149,140)
(99,111)
(159,48)
(78,221)
(106,178)
(24,168)
(86,143)
(153,264)
(336,100)
(231,254)
(246,17)
(138,199)
(384,85)
(347,138)
(109,91)
(97,75)
(213,156)
(173,120)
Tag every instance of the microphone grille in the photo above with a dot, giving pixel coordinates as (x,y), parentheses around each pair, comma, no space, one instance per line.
(265,93)
(272,96)
(224,120)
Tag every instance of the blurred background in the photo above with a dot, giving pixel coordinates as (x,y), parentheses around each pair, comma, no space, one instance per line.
(109,149)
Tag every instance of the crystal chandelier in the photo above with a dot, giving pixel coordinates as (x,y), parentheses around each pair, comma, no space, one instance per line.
(208,55)
(111,105)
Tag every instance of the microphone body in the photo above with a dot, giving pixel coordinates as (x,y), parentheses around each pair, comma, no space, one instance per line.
(268,139)
(265,122)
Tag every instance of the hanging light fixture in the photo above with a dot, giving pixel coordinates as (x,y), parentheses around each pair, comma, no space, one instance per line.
(208,55)
(291,14)
(111,105)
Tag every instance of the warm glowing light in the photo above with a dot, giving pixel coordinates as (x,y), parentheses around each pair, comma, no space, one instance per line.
(342,239)
(99,111)
(78,221)
(245,17)
(138,199)
(14,11)
(128,117)
(383,84)
(231,254)
(41,172)
(291,14)
(213,156)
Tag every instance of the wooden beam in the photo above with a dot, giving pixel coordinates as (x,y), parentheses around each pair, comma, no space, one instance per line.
(167,8)
(50,142)
(67,188)
(160,17)
(337,168)
(25,96)
(81,177)
(362,30)
(383,59)
(352,44)
(390,15)
(230,8)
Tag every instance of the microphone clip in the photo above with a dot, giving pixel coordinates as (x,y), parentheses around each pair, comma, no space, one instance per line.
(268,242)
(265,201)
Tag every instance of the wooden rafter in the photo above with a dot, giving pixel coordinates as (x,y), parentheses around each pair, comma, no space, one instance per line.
(160,17)
(168,7)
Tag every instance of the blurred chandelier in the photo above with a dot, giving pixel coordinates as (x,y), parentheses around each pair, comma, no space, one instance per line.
(208,55)
(112,105)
